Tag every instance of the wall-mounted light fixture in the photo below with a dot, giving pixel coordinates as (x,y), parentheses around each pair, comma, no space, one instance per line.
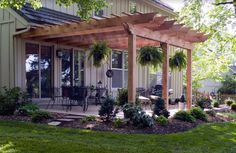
(59,53)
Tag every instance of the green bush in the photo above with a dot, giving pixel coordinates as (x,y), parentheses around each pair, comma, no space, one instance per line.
(122,97)
(142,120)
(137,116)
(40,116)
(228,85)
(162,120)
(159,108)
(184,116)
(27,109)
(229,102)
(118,123)
(233,107)
(204,103)
(216,104)
(90,118)
(211,112)
(198,113)
(9,100)
(106,110)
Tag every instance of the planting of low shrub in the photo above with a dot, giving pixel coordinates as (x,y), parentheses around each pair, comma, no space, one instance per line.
(27,109)
(159,108)
(198,113)
(216,104)
(122,97)
(118,123)
(162,120)
(137,116)
(204,102)
(184,116)
(107,111)
(229,102)
(40,116)
(91,118)
(233,107)
(211,112)
(9,99)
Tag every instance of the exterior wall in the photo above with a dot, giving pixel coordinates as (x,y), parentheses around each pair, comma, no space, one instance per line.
(9,22)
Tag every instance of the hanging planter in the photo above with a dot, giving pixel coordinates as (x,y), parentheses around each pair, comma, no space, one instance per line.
(150,56)
(100,53)
(178,61)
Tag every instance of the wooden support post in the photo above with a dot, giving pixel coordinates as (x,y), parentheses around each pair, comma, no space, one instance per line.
(165,74)
(189,79)
(132,68)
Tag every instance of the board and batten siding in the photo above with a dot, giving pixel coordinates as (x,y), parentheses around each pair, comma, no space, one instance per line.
(9,22)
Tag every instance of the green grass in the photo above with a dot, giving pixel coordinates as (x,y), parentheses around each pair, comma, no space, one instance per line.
(31,138)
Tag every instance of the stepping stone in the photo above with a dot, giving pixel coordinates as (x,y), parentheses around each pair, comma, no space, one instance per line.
(54,123)
(73,117)
(65,120)
(90,126)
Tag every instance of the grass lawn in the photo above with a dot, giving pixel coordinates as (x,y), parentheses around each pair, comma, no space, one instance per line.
(29,138)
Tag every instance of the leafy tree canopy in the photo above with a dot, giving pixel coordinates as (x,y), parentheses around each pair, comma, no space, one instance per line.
(211,58)
(85,7)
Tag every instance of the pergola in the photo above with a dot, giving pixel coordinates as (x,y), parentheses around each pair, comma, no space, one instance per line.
(129,31)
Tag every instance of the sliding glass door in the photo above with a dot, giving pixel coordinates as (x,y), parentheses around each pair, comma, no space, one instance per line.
(38,63)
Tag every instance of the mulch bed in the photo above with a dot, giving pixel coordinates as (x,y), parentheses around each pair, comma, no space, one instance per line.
(174,125)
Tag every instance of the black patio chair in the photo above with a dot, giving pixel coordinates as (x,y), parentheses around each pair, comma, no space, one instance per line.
(78,97)
(55,96)
(100,95)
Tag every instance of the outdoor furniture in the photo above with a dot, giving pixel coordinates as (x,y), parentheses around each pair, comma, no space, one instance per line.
(55,96)
(101,94)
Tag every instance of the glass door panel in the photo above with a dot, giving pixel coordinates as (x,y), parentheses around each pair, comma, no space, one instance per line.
(66,69)
(46,70)
(32,70)
(79,58)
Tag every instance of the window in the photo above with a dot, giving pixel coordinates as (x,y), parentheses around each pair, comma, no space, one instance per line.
(79,58)
(99,13)
(132,6)
(120,69)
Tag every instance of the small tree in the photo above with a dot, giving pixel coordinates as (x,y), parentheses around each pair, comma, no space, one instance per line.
(106,110)
(160,109)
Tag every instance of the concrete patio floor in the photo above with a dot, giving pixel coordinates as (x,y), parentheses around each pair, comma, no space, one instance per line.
(93,109)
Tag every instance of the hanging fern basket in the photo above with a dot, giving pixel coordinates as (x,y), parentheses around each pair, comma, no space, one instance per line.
(178,61)
(150,56)
(100,53)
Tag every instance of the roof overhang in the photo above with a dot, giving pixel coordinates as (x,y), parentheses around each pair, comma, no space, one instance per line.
(151,29)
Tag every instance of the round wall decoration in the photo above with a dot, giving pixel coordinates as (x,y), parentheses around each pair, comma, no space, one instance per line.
(109,73)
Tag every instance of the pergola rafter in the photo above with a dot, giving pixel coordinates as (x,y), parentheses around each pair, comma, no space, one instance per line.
(130,31)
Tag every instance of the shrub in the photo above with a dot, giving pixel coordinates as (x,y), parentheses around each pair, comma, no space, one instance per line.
(229,102)
(142,120)
(122,97)
(162,120)
(211,112)
(9,100)
(198,113)
(27,109)
(216,104)
(40,116)
(137,116)
(184,116)
(204,103)
(118,123)
(228,85)
(106,110)
(159,108)
(233,107)
(83,120)
(90,118)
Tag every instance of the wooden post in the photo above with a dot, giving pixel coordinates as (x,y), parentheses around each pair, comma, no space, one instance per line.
(165,74)
(132,68)
(189,79)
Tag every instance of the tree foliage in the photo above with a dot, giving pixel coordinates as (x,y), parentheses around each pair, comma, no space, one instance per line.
(85,7)
(211,58)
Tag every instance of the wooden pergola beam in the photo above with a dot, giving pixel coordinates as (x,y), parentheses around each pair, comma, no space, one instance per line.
(157,36)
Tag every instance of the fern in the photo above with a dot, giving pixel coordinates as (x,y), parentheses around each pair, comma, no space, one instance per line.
(178,61)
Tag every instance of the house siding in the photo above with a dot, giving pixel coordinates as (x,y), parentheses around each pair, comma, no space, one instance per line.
(12,53)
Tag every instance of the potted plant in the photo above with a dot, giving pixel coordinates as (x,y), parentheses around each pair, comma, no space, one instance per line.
(182,103)
(100,53)
(178,61)
(150,56)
